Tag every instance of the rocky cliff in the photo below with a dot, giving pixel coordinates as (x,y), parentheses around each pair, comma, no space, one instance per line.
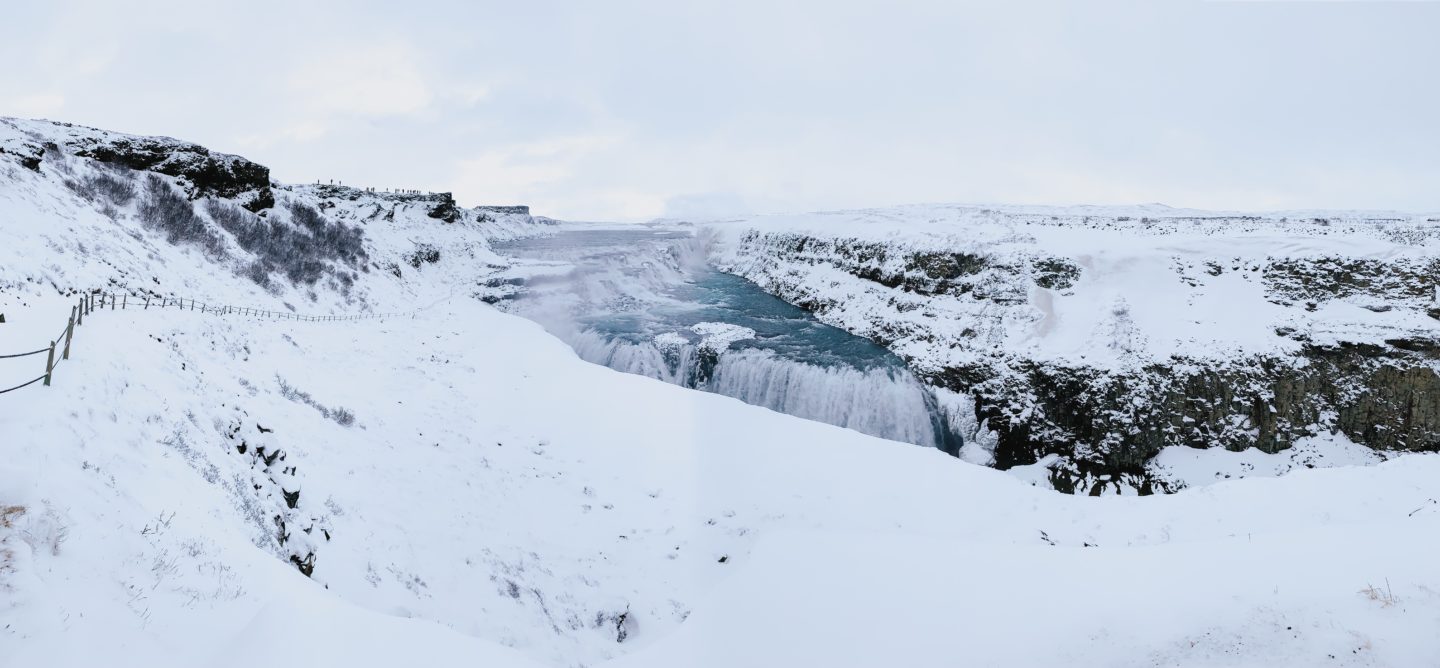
(96,188)
(1105,337)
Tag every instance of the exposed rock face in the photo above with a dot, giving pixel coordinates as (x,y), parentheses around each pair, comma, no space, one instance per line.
(202,172)
(965,319)
(28,154)
(504,210)
(1107,424)
(441,206)
(446,209)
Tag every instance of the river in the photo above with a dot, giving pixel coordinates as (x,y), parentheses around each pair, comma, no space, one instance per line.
(645,301)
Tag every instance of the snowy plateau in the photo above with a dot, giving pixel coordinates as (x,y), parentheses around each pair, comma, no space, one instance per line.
(1243,409)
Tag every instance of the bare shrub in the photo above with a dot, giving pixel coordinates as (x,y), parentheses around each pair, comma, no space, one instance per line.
(107,188)
(341,416)
(117,188)
(47,531)
(1382,595)
(423,253)
(170,212)
(302,252)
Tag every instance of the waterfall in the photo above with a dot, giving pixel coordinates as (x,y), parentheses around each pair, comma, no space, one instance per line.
(678,365)
(883,401)
(653,307)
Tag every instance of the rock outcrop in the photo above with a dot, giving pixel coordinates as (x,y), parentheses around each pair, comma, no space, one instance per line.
(200,171)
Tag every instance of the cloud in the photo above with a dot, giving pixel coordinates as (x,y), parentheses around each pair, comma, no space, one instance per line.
(525,171)
(362,80)
(635,109)
(703,206)
(35,104)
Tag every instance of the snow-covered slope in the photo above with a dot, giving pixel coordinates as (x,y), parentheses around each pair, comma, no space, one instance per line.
(74,222)
(463,490)
(1105,335)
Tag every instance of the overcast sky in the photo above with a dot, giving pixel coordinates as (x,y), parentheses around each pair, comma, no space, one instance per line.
(632,110)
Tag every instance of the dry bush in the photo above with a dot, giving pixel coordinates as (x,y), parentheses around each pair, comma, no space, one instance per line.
(170,212)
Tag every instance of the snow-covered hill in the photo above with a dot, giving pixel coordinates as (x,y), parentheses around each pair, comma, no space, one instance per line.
(1091,339)
(457,488)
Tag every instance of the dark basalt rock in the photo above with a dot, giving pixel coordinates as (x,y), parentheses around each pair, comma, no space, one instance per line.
(1108,423)
(423,254)
(446,210)
(505,210)
(29,155)
(1321,279)
(1055,273)
(201,172)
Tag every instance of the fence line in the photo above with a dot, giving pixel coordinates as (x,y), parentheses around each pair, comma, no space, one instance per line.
(88,304)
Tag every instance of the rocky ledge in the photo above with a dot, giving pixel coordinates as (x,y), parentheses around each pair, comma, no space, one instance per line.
(200,171)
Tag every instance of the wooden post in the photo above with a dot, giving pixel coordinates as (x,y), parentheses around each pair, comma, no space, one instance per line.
(80,320)
(69,332)
(50,364)
(112,301)
(125,302)
(147,302)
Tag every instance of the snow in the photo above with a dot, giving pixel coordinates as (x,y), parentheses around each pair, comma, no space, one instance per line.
(717,336)
(1235,601)
(1190,467)
(1152,260)
(498,501)
(471,467)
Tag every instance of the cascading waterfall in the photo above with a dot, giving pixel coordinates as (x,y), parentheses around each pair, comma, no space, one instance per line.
(679,365)
(648,304)
(883,402)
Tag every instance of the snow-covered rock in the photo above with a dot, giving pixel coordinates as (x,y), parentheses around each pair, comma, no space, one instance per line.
(1107,334)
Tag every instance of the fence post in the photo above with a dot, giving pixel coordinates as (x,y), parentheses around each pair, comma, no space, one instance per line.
(69,332)
(50,364)
(147,302)
(126,301)
(80,306)
(112,301)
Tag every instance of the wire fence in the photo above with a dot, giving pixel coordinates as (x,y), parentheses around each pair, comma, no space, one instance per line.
(91,302)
